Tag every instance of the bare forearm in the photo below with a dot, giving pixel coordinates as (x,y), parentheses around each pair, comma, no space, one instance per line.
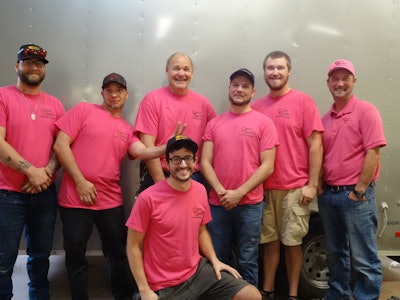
(11,158)
(370,164)
(140,151)
(209,174)
(205,244)
(265,169)
(258,177)
(315,164)
(53,165)
(68,162)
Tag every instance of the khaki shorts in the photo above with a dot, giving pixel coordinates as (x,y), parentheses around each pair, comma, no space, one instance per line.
(284,218)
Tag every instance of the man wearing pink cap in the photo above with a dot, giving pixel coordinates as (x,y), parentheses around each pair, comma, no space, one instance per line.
(352,140)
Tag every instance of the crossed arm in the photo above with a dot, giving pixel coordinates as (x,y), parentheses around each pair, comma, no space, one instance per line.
(38,178)
(231,198)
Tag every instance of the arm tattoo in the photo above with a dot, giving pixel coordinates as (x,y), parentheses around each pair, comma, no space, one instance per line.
(24,165)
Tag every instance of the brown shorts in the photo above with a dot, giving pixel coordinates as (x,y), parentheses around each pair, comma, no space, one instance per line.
(284,218)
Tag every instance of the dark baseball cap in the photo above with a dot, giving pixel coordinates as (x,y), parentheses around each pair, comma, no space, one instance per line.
(114,77)
(32,51)
(181,141)
(243,72)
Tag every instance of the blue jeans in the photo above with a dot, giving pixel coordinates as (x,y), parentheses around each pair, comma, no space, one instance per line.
(238,230)
(350,229)
(36,214)
(77,227)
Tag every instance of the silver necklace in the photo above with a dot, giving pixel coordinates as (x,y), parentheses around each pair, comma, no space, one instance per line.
(32,110)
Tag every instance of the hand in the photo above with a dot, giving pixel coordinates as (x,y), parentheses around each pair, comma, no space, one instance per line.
(148,295)
(220,266)
(308,193)
(230,199)
(178,129)
(38,180)
(87,192)
(353,197)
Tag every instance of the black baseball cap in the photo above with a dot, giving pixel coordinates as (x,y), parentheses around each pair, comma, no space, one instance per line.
(243,72)
(114,77)
(181,141)
(32,51)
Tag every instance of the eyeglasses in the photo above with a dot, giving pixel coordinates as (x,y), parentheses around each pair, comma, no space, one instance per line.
(117,91)
(36,52)
(176,160)
(30,63)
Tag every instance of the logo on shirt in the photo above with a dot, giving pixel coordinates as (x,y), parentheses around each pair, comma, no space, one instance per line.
(119,134)
(346,120)
(283,113)
(246,131)
(198,213)
(196,115)
(47,113)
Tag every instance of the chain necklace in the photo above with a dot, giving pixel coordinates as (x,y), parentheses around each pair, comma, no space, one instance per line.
(32,110)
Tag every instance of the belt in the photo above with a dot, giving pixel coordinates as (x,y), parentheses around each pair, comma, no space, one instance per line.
(340,188)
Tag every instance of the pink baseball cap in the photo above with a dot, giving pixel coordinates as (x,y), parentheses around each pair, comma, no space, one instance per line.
(341,64)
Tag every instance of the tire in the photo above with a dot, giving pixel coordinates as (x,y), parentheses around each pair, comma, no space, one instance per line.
(314,273)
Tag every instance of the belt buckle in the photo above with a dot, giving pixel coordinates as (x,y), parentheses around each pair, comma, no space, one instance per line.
(335,189)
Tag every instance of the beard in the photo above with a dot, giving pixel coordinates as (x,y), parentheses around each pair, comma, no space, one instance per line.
(276,87)
(236,103)
(182,178)
(25,78)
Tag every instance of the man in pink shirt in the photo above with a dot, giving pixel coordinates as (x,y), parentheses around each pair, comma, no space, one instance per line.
(238,155)
(91,144)
(28,199)
(352,140)
(161,109)
(167,229)
(293,185)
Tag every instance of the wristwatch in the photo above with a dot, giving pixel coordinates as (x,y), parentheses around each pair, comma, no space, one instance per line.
(358,194)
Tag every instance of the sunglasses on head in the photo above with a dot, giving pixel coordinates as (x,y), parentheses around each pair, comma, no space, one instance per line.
(37,52)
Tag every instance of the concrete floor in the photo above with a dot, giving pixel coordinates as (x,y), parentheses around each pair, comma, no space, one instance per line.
(99,286)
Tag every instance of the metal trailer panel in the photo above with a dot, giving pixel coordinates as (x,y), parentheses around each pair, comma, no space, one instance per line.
(87,39)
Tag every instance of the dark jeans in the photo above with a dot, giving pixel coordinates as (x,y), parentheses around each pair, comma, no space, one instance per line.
(36,214)
(238,230)
(77,228)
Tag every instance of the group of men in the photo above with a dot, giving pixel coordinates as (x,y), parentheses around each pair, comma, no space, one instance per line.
(207,199)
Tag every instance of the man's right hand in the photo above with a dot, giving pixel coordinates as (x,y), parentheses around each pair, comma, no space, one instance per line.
(38,180)
(87,192)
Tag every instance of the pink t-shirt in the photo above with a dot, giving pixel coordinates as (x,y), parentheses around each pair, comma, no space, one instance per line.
(348,135)
(296,116)
(170,220)
(238,141)
(33,139)
(160,110)
(100,142)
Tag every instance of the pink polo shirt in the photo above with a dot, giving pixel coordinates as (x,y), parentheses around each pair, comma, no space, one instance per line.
(347,137)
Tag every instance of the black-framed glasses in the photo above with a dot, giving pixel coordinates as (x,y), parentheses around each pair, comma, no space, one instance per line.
(30,63)
(177,160)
